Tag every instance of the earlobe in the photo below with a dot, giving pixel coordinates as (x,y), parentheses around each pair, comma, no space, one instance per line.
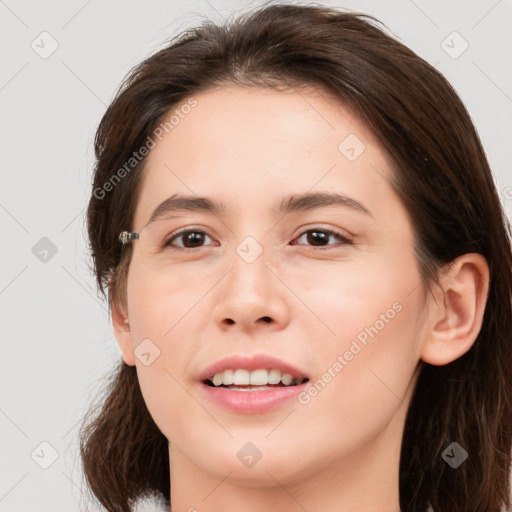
(456,311)
(122,333)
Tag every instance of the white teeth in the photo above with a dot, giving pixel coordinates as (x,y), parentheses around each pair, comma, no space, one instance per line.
(241,378)
(228,378)
(217,379)
(286,379)
(260,377)
(274,376)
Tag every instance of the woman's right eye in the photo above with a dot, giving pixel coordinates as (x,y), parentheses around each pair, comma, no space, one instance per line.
(191,237)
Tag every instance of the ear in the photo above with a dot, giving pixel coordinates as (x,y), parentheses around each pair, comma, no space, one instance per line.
(455,312)
(122,333)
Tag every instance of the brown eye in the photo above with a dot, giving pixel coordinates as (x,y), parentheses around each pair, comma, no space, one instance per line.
(191,239)
(320,237)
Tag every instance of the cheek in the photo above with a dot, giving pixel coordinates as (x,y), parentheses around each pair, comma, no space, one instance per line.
(158,300)
(169,403)
(159,308)
(367,358)
(368,367)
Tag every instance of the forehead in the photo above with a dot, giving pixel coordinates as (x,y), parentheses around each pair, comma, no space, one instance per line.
(253,143)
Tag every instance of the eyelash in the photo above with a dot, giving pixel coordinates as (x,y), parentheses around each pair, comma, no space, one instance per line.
(343,238)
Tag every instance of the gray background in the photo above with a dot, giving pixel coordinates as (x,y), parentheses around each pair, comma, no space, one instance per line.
(57,342)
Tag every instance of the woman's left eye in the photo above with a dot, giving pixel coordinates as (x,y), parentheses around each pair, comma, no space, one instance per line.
(317,237)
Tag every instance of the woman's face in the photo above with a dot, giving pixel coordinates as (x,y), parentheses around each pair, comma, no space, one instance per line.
(258,279)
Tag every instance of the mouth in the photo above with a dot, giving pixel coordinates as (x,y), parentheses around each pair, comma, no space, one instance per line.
(260,379)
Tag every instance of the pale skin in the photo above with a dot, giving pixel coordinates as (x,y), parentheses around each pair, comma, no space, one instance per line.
(249,148)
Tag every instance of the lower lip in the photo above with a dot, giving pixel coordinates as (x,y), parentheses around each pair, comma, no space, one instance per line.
(252,402)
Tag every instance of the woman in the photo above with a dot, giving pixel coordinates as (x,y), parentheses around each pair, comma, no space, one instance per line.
(309,274)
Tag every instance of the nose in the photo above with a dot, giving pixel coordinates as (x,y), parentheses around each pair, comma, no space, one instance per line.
(251,297)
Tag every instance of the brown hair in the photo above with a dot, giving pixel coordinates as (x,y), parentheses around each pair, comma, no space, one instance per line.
(440,173)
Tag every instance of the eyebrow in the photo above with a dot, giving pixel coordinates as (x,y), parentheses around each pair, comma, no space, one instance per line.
(179,203)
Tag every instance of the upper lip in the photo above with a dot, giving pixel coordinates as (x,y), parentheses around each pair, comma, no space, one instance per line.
(250,362)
